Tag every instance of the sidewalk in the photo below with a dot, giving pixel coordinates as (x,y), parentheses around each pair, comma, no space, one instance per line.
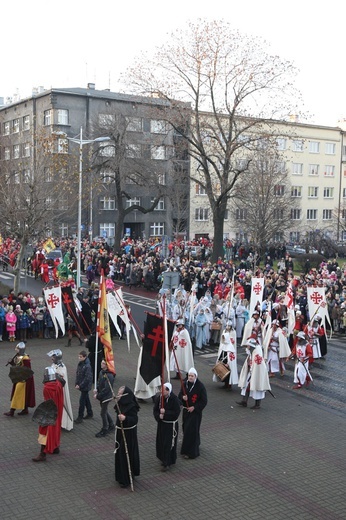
(285,461)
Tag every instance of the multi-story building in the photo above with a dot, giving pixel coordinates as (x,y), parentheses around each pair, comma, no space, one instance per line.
(70,113)
(315,160)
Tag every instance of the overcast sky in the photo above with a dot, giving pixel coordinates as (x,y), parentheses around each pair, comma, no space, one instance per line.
(72,42)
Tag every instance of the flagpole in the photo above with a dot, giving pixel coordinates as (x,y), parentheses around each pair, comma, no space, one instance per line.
(98,327)
(163,348)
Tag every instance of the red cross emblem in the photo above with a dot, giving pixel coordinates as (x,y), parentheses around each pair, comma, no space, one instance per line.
(257,288)
(316,297)
(258,359)
(300,353)
(53,300)
(231,356)
(182,343)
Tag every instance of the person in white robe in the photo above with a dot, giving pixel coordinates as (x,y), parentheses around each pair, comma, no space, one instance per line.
(182,355)
(227,354)
(253,379)
(276,349)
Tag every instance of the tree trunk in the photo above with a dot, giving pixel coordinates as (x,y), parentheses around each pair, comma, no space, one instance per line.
(218,238)
(18,267)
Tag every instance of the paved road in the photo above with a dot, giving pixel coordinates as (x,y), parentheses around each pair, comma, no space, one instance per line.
(285,461)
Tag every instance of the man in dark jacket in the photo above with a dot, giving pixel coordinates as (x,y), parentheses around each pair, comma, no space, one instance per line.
(84,380)
(104,393)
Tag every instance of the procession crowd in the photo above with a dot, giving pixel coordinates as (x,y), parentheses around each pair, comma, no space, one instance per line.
(210,306)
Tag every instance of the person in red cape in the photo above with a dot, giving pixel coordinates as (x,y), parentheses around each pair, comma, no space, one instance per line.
(49,436)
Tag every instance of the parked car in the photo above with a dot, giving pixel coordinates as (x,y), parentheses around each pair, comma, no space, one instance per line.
(295,251)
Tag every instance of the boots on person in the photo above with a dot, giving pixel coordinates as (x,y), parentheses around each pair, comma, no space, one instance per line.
(257,405)
(243,402)
(24,412)
(41,457)
(69,343)
(80,341)
(102,433)
(10,413)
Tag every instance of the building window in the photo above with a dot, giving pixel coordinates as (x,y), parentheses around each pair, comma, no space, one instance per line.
(107,203)
(62,116)
(47,175)
(297,168)
(157,229)
(107,176)
(281,143)
(15,126)
(16,151)
(133,151)
(296,191)
(107,151)
(280,166)
(158,153)
(63,230)
(313,169)
(27,176)
(106,120)
(16,177)
(133,202)
(63,203)
(7,153)
(201,214)
(296,214)
(48,203)
(279,236)
(278,214)
(279,190)
(298,145)
(295,237)
(226,217)
(343,214)
(26,123)
(107,229)
(328,193)
(329,170)
(62,145)
(344,193)
(134,124)
(200,190)
(311,214)
(47,117)
(330,148)
(314,147)
(240,214)
(7,128)
(312,192)
(161,179)
(160,205)
(158,127)
(327,214)
(26,150)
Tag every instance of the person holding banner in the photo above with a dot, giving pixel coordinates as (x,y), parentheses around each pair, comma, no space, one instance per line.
(302,352)
(166,412)
(127,462)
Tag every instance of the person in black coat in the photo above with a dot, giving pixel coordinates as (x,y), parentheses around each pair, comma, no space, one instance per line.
(166,412)
(127,409)
(193,397)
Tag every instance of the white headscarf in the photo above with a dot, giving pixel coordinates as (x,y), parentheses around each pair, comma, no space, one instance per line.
(169,386)
(193,371)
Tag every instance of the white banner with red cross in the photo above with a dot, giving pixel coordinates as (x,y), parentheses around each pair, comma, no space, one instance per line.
(52,296)
(257,288)
(317,304)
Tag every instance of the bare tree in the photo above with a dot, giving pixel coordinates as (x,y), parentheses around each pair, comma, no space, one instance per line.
(262,199)
(31,191)
(234,88)
(128,170)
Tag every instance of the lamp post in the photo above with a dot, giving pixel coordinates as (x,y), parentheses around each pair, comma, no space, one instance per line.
(81,143)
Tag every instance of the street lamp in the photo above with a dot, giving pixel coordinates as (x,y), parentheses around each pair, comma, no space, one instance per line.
(81,143)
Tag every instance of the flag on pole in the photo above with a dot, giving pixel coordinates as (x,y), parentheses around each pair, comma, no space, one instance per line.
(52,296)
(257,288)
(103,329)
(154,346)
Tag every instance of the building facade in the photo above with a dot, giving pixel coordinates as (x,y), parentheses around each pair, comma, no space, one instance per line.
(315,160)
(71,115)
